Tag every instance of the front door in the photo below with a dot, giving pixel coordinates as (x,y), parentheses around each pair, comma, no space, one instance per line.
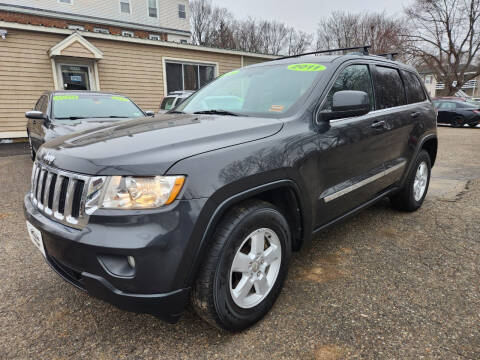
(351,162)
(75,77)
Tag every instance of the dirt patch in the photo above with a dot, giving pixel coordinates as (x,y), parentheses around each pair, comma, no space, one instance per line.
(3,216)
(330,352)
(327,268)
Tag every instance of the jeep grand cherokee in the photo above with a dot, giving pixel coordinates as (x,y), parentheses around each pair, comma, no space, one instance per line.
(206,204)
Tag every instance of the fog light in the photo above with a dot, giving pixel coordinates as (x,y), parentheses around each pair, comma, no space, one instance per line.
(131,261)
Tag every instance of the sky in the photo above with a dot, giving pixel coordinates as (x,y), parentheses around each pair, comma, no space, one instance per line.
(305,14)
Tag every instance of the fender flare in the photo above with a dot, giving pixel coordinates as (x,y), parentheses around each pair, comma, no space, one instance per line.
(415,154)
(222,208)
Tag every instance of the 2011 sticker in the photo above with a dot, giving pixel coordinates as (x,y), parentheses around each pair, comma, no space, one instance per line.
(65,97)
(119,98)
(231,73)
(306,67)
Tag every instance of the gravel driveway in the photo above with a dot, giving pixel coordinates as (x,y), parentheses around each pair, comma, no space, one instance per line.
(383,285)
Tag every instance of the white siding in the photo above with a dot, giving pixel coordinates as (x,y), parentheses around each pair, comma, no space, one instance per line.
(110,9)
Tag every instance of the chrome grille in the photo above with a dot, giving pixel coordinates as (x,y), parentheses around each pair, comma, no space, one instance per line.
(60,195)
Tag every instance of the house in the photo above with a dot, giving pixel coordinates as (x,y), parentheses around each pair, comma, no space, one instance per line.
(436,88)
(136,47)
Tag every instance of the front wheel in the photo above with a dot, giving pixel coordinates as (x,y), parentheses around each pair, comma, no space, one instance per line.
(245,268)
(32,152)
(411,197)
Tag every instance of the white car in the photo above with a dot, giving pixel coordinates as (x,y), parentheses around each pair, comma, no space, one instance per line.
(174,99)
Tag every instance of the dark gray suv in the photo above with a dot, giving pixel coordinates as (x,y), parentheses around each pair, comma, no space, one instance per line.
(205,204)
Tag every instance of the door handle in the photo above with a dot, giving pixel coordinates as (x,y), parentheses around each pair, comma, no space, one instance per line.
(379,124)
(415,114)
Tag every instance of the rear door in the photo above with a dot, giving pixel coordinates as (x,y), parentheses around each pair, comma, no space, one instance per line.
(394,110)
(447,110)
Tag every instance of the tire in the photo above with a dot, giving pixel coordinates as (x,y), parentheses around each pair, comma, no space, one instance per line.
(33,154)
(407,199)
(212,294)
(457,122)
(473,125)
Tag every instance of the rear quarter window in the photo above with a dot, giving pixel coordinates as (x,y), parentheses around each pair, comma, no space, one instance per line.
(413,87)
(389,90)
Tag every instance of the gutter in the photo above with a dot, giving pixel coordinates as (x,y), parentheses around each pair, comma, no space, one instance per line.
(170,44)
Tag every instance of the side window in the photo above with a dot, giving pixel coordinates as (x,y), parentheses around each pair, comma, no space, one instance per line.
(44,105)
(413,87)
(447,105)
(41,104)
(37,105)
(354,77)
(389,91)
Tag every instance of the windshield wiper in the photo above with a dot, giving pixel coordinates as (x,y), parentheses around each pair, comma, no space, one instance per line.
(175,112)
(71,118)
(217,112)
(112,117)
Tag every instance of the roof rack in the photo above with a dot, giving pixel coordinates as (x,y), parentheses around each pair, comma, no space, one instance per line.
(389,56)
(364,49)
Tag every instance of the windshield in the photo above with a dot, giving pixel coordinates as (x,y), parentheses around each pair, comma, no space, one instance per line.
(93,106)
(261,91)
(167,103)
(473,102)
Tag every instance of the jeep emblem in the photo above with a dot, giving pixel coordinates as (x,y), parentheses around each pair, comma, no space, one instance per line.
(49,158)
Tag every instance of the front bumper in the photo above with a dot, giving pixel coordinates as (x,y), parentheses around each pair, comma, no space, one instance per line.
(158,240)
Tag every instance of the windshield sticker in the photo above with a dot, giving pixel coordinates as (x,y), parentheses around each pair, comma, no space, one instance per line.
(276,108)
(119,98)
(231,73)
(306,67)
(65,97)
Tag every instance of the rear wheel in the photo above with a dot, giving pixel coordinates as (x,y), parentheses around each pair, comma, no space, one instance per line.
(245,268)
(457,122)
(411,197)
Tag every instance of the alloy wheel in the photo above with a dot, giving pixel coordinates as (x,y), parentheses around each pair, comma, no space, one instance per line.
(420,182)
(255,268)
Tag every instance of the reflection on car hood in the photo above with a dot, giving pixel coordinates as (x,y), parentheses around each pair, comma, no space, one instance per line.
(149,146)
(64,127)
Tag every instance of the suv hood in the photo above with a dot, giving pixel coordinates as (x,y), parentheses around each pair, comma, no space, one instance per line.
(150,146)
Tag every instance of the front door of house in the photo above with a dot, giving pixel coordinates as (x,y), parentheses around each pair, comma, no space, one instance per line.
(75,77)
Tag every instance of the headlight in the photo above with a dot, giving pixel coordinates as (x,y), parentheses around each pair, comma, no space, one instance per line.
(129,192)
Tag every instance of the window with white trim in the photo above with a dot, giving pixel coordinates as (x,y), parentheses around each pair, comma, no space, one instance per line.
(428,79)
(182,11)
(154,37)
(101,30)
(128,33)
(76,27)
(188,76)
(125,6)
(152,8)
(68,2)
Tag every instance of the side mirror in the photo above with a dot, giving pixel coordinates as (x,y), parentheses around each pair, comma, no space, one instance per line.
(348,103)
(37,115)
(150,113)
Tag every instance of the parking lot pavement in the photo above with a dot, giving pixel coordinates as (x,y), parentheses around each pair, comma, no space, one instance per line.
(383,285)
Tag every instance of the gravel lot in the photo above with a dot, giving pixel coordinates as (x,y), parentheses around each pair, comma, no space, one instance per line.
(383,285)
